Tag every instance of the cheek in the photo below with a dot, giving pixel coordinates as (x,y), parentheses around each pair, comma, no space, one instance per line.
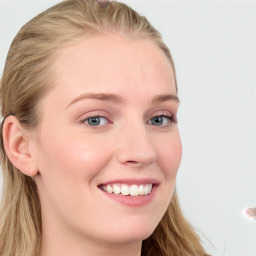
(75,158)
(169,155)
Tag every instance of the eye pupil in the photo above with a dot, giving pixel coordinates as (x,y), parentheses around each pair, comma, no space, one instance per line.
(157,120)
(94,121)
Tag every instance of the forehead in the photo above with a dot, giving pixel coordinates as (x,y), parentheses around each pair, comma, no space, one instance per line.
(114,64)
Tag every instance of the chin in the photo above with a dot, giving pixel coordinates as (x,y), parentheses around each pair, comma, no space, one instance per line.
(131,232)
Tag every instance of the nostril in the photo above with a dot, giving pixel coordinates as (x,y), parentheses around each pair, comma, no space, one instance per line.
(135,155)
(138,163)
(134,163)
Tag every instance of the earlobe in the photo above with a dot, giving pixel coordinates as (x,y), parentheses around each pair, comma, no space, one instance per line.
(17,146)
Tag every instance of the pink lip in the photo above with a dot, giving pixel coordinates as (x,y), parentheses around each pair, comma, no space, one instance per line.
(134,201)
(133,181)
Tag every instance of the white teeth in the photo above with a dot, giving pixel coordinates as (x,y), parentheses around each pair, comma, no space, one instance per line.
(134,190)
(109,189)
(126,190)
(117,189)
(141,190)
(148,188)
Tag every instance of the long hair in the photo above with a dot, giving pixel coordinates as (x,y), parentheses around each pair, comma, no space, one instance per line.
(27,78)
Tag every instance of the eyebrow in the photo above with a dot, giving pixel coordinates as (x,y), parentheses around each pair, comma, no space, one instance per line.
(99,96)
(118,99)
(165,97)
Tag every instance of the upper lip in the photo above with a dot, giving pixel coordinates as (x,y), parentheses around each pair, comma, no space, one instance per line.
(133,181)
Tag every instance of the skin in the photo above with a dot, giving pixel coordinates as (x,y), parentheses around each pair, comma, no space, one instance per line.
(71,158)
(250,213)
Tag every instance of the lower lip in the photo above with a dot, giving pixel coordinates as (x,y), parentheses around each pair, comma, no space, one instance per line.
(135,201)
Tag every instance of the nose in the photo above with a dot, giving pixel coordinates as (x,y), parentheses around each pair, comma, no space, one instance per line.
(135,148)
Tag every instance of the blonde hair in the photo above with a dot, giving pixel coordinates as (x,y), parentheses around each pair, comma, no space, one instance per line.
(26,79)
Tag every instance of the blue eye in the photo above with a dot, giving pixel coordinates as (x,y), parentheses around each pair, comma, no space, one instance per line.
(161,120)
(96,120)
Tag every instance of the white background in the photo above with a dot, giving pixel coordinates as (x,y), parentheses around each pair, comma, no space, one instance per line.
(214,47)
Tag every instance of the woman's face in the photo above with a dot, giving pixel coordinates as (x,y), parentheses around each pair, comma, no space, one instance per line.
(108,125)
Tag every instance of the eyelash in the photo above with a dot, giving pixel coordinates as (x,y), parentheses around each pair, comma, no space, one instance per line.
(85,121)
(171,119)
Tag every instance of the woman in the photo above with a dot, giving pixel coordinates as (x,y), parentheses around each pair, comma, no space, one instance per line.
(90,143)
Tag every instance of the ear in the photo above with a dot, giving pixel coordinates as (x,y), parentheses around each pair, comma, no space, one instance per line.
(17,145)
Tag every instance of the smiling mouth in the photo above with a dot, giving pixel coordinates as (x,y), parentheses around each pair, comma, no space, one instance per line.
(127,190)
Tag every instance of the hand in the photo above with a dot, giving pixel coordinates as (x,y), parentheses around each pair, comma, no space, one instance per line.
(250,213)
